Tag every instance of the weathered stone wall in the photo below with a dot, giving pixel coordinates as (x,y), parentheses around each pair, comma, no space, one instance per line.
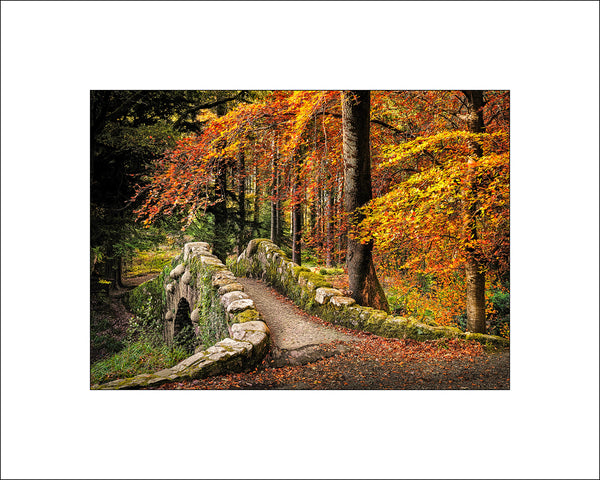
(191,280)
(311,291)
(221,312)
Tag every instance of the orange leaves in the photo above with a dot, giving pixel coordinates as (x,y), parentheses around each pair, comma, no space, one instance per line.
(433,187)
(278,123)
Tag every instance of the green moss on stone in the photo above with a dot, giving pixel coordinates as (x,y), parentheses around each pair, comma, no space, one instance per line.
(249,315)
(373,319)
(254,244)
(450,332)
(421,331)
(312,280)
(488,339)
(298,270)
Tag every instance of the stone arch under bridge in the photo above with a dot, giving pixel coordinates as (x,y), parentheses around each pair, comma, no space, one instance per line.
(234,336)
(182,316)
(183,290)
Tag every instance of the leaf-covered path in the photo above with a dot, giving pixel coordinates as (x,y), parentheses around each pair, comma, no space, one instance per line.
(295,338)
(308,353)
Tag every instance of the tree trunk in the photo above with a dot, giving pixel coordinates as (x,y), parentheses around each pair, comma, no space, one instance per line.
(256,212)
(312,213)
(241,200)
(275,193)
(221,214)
(113,268)
(342,244)
(364,285)
(328,226)
(474,274)
(296,217)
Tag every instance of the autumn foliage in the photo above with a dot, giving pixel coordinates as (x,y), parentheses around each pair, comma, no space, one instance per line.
(424,175)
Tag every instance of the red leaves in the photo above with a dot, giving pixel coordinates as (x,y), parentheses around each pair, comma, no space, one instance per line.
(377,363)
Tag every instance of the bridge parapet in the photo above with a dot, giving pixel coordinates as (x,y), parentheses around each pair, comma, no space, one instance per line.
(202,294)
(312,292)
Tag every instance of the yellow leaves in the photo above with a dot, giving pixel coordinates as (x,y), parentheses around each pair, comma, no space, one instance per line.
(205,115)
(421,217)
(449,143)
(302,107)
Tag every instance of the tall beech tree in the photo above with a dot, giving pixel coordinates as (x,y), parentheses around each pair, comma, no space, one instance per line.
(442,229)
(297,223)
(276,228)
(474,268)
(363,282)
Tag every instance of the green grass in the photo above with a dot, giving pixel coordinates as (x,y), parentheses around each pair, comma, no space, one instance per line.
(151,261)
(135,359)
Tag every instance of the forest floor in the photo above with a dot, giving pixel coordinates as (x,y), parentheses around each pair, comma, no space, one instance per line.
(309,353)
(109,319)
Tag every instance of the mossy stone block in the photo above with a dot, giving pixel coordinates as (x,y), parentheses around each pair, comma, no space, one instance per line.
(177,271)
(373,319)
(312,280)
(488,339)
(394,327)
(253,246)
(341,301)
(249,315)
(231,287)
(420,331)
(296,271)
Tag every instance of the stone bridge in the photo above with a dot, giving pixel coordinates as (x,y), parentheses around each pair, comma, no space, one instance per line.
(198,293)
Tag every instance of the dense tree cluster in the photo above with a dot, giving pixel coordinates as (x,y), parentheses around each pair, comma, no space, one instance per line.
(408,186)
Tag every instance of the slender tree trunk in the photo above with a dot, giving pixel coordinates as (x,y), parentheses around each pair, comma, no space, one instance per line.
(120,272)
(241,200)
(342,245)
(113,268)
(297,235)
(363,282)
(221,214)
(328,226)
(279,215)
(296,217)
(256,213)
(275,222)
(474,274)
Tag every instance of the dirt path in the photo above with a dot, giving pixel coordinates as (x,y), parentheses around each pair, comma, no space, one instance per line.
(308,353)
(296,340)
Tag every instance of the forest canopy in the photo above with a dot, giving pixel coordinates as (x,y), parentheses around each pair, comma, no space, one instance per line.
(228,166)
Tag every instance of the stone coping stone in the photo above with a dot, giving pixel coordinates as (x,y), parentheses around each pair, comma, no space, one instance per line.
(231,287)
(323,294)
(228,298)
(340,301)
(240,305)
(177,271)
(186,278)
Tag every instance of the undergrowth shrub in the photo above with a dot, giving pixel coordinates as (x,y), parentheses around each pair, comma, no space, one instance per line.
(497,314)
(500,314)
(136,358)
(143,349)
(186,339)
